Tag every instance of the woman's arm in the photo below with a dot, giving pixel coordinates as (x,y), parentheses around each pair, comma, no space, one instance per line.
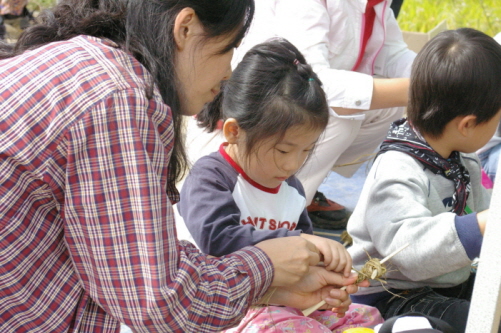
(120,232)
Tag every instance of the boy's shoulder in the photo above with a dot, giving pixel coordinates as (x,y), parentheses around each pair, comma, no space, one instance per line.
(394,160)
(396,165)
(470,159)
(393,163)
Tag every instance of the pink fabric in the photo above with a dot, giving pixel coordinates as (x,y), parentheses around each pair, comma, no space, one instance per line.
(275,319)
(486,181)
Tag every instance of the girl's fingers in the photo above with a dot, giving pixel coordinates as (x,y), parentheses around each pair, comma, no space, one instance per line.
(343,264)
(333,302)
(328,258)
(348,266)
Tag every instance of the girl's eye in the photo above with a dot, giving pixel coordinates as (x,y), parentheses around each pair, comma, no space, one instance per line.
(281,151)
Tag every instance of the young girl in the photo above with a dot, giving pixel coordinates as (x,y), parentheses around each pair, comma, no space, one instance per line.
(274,110)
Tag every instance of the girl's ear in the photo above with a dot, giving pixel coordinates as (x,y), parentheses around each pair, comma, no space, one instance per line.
(466,123)
(232,132)
(186,25)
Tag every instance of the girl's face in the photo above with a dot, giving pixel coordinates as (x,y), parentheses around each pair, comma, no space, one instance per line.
(200,67)
(273,162)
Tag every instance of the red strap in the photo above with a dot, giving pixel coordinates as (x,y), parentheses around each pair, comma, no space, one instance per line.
(370,17)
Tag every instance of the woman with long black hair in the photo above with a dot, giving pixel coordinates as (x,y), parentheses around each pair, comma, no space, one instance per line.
(90,149)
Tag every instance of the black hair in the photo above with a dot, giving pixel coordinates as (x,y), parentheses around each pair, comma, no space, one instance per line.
(145,29)
(457,73)
(271,90)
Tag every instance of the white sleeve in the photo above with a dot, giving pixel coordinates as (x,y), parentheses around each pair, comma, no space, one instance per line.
(306,24)
(395,58)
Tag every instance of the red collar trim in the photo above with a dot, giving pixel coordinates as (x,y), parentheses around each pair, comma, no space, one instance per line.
(235,166)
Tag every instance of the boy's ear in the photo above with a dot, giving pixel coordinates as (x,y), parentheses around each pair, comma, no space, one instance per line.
(186,25)
(232,132)
(466,123)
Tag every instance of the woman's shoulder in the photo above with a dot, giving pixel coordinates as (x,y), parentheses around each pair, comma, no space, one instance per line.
(96,63)
(120,68)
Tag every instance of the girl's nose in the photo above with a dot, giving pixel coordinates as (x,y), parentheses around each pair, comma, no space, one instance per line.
(292,164)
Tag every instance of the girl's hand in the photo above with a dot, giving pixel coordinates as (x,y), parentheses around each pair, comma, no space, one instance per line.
(292,259)
(335,256)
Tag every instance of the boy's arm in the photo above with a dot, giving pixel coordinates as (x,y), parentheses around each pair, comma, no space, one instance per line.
(211,214)
(470,227)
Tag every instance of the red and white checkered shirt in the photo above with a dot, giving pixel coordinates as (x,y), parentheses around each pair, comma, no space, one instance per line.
(87,235)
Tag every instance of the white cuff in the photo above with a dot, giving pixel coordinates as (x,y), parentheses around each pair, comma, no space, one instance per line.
(346,89)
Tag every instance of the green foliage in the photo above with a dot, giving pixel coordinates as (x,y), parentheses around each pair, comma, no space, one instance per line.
(424,15)
(39,5)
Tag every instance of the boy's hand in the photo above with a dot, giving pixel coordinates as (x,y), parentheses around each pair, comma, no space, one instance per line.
(482,220)
(335,256)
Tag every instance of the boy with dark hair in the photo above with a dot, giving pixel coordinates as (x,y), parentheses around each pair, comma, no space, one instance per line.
(425,185)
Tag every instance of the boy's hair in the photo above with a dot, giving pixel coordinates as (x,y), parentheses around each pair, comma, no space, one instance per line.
(271,90)
(143,28)
(457,73)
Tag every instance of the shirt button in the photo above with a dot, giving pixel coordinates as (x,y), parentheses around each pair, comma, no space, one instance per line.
(357,103)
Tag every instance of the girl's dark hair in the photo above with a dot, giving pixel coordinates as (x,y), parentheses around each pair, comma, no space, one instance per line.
(457,73)
(143,28)
(271,90)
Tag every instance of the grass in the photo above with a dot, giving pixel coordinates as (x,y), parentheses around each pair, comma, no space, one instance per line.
(424,15)
(39,5)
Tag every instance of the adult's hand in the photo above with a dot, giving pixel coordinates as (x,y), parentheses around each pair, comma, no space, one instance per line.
(291,257)
(316,286)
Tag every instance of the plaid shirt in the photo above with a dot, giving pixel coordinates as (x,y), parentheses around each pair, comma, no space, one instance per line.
(87,235)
